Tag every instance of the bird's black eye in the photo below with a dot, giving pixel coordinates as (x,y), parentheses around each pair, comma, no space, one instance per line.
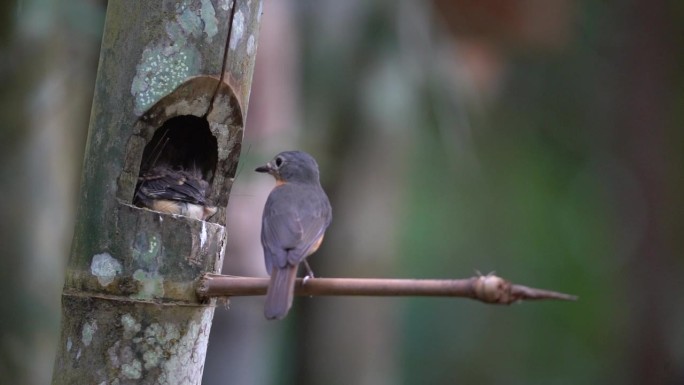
(279,161)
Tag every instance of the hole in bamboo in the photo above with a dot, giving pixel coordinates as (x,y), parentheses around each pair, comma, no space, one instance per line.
(177,169)
(175,132)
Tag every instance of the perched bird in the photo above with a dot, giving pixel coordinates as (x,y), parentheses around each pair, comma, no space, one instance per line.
(173,191)
(296,215)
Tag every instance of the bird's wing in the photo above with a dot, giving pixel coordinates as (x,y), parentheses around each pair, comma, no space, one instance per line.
(313,224)
(294,220)
(177,185)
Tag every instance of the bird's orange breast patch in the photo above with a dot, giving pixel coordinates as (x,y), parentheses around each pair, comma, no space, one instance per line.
(166,206)
(315,246)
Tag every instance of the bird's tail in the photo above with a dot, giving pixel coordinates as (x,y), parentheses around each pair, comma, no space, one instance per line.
(280,292)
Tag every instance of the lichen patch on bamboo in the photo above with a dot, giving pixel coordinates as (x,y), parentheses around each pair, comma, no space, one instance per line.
(132,370)
(146,249)
(163,346)
(130,326)
(150,285)
(88,332)
(238,29)
(225,5)
(105,268)
(208,16)
(168,61)
(251,46)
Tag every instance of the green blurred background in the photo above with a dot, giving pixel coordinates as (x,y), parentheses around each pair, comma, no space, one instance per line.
(541,139)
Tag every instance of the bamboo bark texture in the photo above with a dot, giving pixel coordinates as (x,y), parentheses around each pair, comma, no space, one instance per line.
(173,85)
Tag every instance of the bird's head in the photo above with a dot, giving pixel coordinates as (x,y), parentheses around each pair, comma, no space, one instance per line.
(292,166)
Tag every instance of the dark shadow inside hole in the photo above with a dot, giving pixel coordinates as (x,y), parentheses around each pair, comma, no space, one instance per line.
(178,167)
(183,142)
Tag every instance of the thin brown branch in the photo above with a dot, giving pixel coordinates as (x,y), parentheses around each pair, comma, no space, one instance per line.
(489,288)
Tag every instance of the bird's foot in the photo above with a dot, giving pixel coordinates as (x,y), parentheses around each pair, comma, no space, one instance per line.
(309,272)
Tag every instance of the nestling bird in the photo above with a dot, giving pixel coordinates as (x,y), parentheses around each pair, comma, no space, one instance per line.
(296,215)
(174,191)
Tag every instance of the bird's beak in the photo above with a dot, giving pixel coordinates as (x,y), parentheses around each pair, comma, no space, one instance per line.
(265,168)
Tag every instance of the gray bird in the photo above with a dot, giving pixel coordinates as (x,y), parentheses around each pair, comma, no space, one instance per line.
(296,215)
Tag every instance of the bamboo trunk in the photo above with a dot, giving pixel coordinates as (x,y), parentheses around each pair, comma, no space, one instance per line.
(129,309)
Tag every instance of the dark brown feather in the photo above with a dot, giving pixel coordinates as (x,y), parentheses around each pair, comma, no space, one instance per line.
(177,185)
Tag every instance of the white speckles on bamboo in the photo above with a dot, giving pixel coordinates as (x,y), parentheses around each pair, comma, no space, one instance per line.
(88,331)
(105,268)
(185,348)
(123,357)
(203,234)
(132,370)
(69,344)
(238,29)
(146,249)
(160,340)
(113,354)
(251,47)
(160,70)
(130,326)
(152,357)
(168,61)
(162,346)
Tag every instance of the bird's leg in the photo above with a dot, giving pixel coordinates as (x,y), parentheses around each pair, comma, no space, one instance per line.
(309,272)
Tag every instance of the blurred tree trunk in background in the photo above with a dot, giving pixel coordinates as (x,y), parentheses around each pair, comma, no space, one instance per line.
(561,179)
(49,57)
(366,132)
(644,128)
